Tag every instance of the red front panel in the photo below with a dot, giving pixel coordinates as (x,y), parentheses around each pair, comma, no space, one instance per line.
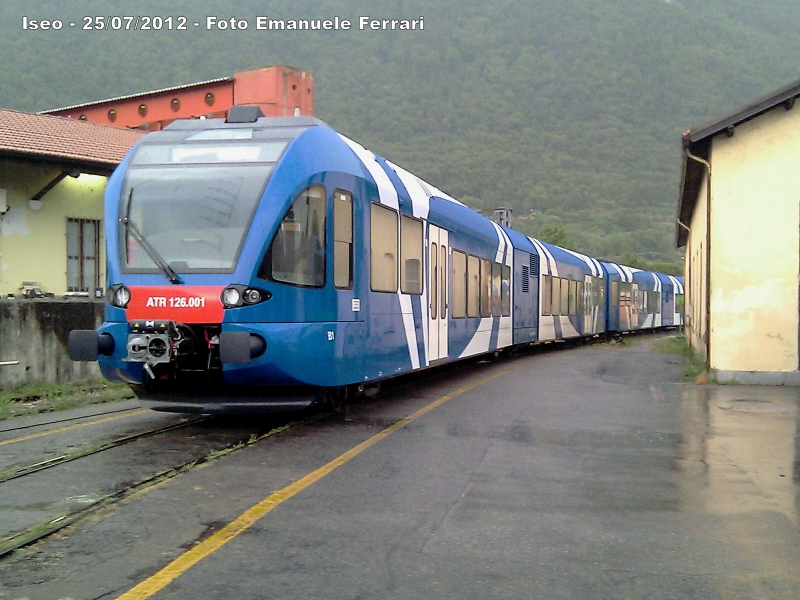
(195,304)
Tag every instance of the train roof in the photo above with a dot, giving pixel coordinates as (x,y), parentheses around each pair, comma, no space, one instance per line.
(262,128)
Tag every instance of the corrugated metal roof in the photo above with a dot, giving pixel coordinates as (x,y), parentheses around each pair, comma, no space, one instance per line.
(46,136)
(139,95)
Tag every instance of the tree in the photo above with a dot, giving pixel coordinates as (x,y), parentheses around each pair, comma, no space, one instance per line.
(554,234)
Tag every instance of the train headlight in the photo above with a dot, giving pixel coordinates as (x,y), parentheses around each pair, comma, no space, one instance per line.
(119,296)
(231,297)
(252,296)
(236,295)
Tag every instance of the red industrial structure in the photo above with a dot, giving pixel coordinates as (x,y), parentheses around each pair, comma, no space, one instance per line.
(278,90)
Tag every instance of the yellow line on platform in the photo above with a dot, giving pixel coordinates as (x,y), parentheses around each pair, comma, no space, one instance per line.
(32,436)
(183,563)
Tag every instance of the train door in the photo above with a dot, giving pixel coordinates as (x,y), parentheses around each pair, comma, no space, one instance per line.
(438,274)
(585,306)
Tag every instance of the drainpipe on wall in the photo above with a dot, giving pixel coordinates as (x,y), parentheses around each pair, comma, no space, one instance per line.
(708,254)
(687,279)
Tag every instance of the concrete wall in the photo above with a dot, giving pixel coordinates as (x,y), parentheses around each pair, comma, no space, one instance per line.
(33,238)
(35,332)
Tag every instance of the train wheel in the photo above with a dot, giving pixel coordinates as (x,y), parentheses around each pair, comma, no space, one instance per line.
(371,390)
(337,398)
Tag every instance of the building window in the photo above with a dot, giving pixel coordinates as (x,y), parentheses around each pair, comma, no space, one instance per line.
(83,252)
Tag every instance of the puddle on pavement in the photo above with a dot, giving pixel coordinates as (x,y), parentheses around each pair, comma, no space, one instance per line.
(740,450)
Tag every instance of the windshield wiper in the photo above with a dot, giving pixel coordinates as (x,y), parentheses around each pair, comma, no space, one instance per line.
(130,227)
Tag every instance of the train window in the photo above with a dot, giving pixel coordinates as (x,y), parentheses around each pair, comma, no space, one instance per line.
(597,296)
(410,255)
(547,294)
(342,240)
(473,286)
(434,291)
(298,250)
(565,297)
(679,303)
(505,291)
(572,297)
(486,288)
(581,302)
(164,154)
(383,249)
(625,294)
(555,299)
(443,281)
(496,282)
(459,309)
(615,293)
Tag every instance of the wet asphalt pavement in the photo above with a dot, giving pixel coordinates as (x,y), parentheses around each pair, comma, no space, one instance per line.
(585,473)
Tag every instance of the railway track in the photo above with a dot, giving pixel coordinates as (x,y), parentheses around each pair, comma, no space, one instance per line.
(65,458)
(60,418)
(205,439)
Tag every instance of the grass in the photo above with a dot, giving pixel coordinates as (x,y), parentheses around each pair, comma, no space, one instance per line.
(35,398)
(694,364)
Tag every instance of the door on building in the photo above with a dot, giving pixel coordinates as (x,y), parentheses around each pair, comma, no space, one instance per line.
(438,307)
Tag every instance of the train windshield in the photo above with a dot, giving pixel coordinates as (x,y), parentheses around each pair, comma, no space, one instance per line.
(194,218)
(190,205)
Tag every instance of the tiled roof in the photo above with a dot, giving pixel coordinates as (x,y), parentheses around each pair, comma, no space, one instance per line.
(46,136)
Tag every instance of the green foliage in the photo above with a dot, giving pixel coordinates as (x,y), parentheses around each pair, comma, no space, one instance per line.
(572,109)
(693,363)
(554,234)
(31,399)
(637,262)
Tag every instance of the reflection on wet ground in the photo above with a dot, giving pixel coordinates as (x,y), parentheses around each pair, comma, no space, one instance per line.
(740,450)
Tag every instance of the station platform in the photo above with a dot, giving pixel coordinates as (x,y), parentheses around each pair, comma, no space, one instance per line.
(590,472)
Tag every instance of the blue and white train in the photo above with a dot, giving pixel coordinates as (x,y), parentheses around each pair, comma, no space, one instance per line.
(260,264)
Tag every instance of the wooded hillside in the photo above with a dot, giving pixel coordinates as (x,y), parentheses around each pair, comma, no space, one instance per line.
(568,111)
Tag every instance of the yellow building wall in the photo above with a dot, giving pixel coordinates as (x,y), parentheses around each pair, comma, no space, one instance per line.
(755,244)
(695,276)
(33,243)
